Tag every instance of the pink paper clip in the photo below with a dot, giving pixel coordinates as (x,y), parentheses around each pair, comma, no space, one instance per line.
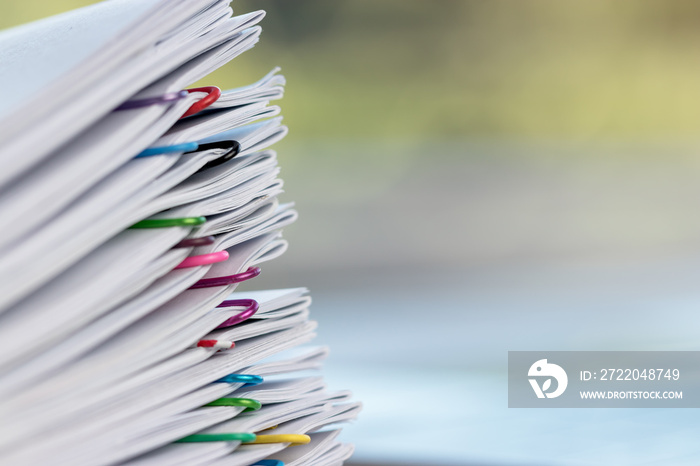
(203,259)
(252,272)
(252,307)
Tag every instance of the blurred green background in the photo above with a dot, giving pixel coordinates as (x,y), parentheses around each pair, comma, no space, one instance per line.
(455,68)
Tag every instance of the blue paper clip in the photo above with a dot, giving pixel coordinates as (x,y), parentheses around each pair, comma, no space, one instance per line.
(268,463)
(231,147)
(247,379)
(184,147)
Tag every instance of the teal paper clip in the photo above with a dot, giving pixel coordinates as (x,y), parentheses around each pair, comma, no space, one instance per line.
(232,437)
(247,379)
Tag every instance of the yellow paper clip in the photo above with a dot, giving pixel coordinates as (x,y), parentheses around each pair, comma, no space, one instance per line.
(294,439)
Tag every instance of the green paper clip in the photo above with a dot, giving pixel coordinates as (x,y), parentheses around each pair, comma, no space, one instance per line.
(249,403)
(169,222)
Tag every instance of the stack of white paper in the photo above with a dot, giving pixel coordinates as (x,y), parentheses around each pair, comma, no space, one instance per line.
(131,209)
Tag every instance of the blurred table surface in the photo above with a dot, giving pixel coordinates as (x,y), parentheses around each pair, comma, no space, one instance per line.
(423,283)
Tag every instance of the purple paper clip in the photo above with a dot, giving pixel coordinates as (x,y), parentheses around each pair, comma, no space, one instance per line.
(195,242)
(252,272)
(158,100)
(252,307)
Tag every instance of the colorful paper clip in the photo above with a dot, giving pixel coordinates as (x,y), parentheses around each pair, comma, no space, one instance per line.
(213,94)
(164,99)
(248,403)
(174,149)
(247,438)
(195,242)
(268,463)
(252,307)
(246,379)
(232,437)
(169,222)
(294,439)
(232,149)
(218,344)
(203,259)
(252,272)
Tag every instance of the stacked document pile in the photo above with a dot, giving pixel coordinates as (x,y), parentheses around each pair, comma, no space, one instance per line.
(132,206)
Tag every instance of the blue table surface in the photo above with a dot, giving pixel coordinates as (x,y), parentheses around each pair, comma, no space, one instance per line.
(429,358)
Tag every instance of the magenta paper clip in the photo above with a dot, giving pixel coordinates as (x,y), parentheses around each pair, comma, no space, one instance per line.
(168,98)
(252,307)
(252,272)
(195,242)
(203,259)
